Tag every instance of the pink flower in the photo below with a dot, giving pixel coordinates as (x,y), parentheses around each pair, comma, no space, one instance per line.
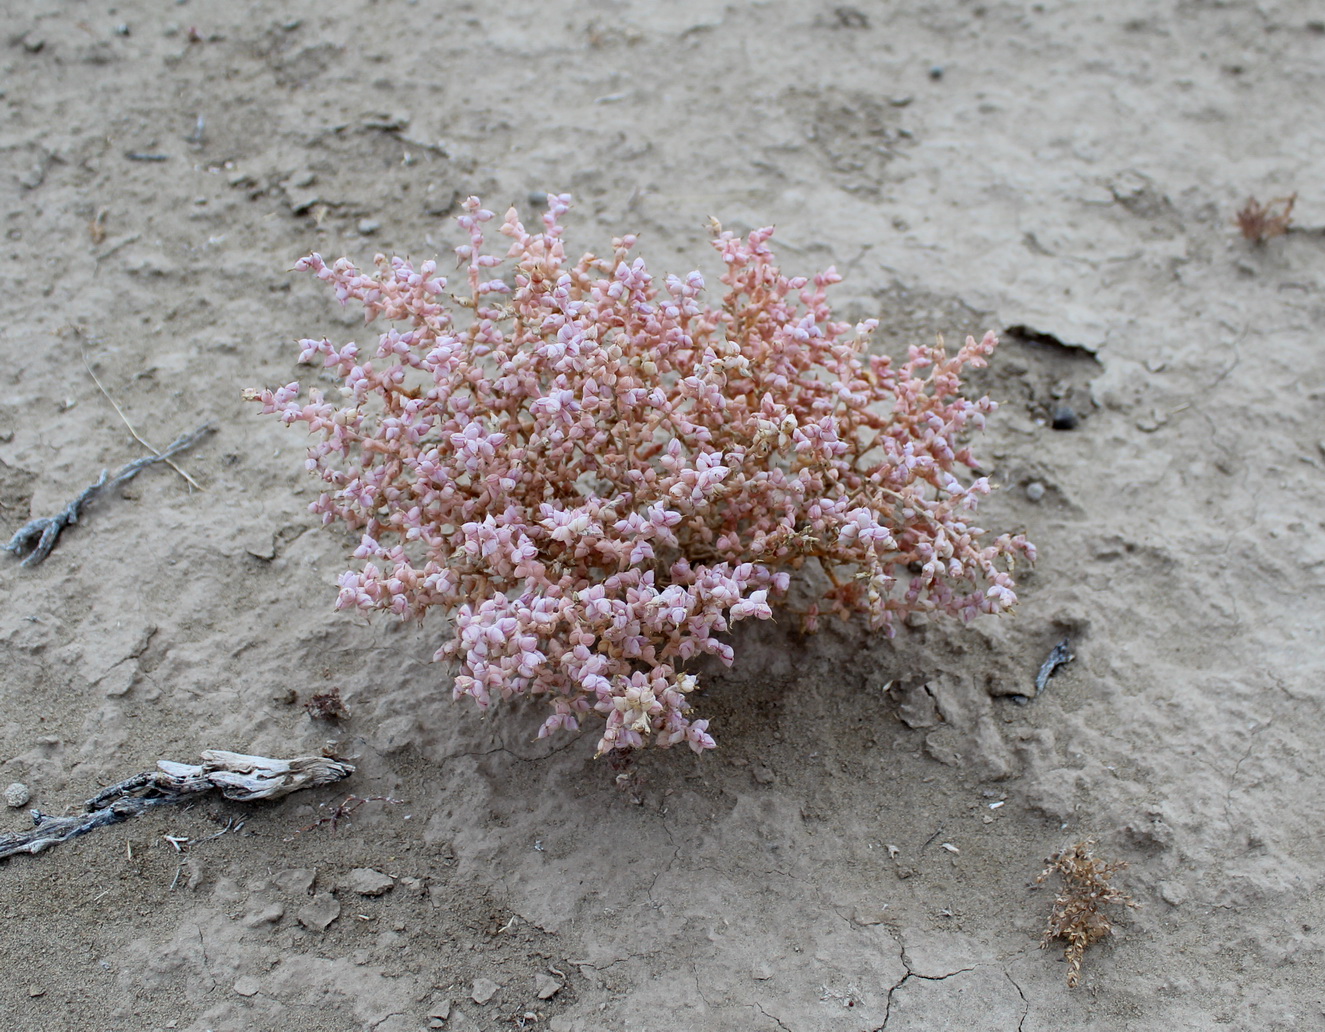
(595,476)
(697,738)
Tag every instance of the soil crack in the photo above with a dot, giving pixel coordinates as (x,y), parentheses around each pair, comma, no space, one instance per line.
(1026,1004)
(771,1017)
(1237,768)
(910,974)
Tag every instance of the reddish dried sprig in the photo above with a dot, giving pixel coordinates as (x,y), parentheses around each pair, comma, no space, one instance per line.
(328,706)
(1077,917)
(1260,222)
(595,475)
(343,811)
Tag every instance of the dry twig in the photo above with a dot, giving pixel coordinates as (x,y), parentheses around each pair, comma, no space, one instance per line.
(234,775)
(1077,916)
(344,809)
(38,537)
(136,436)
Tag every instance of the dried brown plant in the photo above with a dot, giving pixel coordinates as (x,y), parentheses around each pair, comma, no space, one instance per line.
(1077,916)
(344,810)
(1259,222)
(328,706)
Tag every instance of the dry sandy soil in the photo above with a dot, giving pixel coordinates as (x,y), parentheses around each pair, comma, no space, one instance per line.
(1064,173)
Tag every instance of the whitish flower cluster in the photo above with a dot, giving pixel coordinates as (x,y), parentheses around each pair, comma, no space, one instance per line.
(595,475)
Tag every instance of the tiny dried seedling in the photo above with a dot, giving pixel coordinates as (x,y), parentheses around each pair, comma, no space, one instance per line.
(328,706)
(96,227)
(343,811)
(1259,222)
(1077,916)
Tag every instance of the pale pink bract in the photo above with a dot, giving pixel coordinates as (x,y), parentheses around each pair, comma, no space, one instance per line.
(595,477)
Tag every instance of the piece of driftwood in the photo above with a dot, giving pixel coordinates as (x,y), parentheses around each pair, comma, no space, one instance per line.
(37,537)
(234,775)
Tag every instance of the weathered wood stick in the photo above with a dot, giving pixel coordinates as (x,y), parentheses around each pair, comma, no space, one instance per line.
(234,775)
(37,537)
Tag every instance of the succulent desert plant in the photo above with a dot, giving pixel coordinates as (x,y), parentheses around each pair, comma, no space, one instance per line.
(595,475)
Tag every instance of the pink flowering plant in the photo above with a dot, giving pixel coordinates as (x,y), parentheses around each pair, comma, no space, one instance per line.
(595,475)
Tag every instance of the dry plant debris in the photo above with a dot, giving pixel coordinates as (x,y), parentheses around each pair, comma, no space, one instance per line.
(1077,916)
(343,810)
(328,706)
(1259,222)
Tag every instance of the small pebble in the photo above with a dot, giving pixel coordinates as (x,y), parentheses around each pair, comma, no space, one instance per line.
(1172,893)
(483,990)
(1149,424)
(440,1010)
(936,72)
(318,914)
(368,882)
(1034,490)
(269,914)
(369,226)
(546,987)
(17,795)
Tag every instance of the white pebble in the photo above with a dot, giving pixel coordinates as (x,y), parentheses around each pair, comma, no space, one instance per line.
(17,794)
(1034,490)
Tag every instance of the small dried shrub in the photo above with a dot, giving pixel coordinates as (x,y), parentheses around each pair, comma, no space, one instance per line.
(1077,917)
(595,475)
(328,706)
(1260,222)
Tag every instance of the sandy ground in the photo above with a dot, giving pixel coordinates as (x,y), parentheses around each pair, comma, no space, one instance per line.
(1067,168)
